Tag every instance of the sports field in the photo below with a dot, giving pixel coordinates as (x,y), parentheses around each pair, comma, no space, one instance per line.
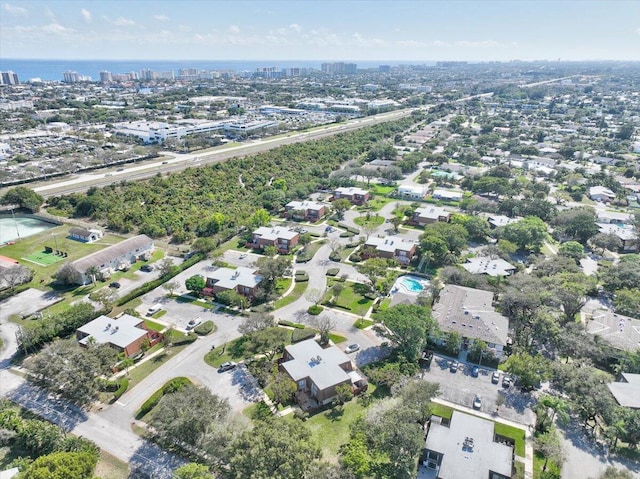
(43,258)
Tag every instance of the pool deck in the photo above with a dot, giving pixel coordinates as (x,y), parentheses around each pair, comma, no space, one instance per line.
(398,286)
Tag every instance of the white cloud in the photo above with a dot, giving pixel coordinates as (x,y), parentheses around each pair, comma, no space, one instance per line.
(480,44)
(234,29)
(439,43)
(50,15)
(86,15)
(296,27)
(120,21)
(161,18)
(15,10)
(57,29)
(410,43)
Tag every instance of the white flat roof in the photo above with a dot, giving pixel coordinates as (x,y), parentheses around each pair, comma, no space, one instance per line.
(120,332)
(275,232)
(230,278)
(322,366)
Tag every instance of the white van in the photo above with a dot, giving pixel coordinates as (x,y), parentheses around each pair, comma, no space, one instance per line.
(154,309)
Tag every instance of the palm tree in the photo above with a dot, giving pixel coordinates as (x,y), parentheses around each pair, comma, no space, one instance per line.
(92,272)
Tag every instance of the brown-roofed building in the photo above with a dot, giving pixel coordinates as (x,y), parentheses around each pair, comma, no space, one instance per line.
(469,312)
(429,214)
(114,258)
(125,334)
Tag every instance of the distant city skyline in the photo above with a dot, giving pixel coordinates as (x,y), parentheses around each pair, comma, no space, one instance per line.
(321,31)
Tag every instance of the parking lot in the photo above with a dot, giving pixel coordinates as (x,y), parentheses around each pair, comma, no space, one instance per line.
(461,388)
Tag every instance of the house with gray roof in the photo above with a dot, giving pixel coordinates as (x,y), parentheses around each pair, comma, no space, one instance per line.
(625,233)
(465,448)
(85,235)
(392,247)
(619,331)
(242,280)
(627,390)
(470,313)
(317,372)
(116,257)
(429,214)
(126,334)
(492,267)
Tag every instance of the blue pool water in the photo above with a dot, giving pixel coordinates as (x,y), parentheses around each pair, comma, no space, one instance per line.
(412,284)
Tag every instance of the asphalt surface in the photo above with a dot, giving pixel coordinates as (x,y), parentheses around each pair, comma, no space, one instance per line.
(461,388)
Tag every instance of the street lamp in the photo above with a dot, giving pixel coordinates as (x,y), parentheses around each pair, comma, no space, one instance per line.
(55,239)
(16,224)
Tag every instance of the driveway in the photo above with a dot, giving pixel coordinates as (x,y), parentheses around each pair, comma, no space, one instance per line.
(461,388)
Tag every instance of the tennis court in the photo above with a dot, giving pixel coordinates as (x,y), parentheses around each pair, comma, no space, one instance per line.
(43,258)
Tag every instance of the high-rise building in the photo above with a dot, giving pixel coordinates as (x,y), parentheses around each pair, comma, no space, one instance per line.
(9,78)
(70,77)
(146,74)
(384,68)
(339,68)
(105,76)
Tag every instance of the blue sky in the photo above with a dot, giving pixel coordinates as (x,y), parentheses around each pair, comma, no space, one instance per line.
(417,30)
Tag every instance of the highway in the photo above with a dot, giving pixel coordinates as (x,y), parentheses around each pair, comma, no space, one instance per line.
(172,162)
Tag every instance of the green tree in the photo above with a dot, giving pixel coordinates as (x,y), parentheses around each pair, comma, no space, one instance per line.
(572,249)
(441,243)
(340,206)
(24,198)
(577,223)
(570,290)
(62,465)
(606,241)
(530,370)
(277,450)
(550,446)
(407,327)
(195,284)
(271,270)
(193,471)
(529,234)
(613,473)
(627,301)
(344,393)
(171,287)
(282,388)
(268,341)
(67,369)
(261,217)
(477,226)
(374,269)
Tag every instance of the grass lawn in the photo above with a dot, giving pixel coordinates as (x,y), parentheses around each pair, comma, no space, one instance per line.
(282,285)
(297,292)
(352,299)
(441,410)
(34,245)
(233,351)
(372,221)
(336,338)
(345,252)
(376,204)
(363,323)
(309,251)
(141,371)
(383,189)
(153,326)
(234,243)
(159,314)
(331,428)
(514,433)
(110,467)
(538,463)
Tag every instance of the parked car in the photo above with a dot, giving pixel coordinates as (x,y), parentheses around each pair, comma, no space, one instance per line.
(115,285)
(243,255)
(454,366)
(477,402)
(352,348)
(147,268)
(194,322)
(228,366)
(495,377)
(474,371)
(506,381)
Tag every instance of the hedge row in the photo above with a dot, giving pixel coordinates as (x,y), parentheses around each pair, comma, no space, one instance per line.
(291,324)
(347,234)
(124,385)
(298,335)
(333,271)
(302,276)
(151,285)
(353,230)
(204,328)
(179,339)
(315,309)
(169,387)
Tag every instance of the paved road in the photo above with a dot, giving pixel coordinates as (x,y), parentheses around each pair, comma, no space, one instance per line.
(82,182)
(584,460)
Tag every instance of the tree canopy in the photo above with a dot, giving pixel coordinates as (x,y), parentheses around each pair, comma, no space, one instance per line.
(406,326)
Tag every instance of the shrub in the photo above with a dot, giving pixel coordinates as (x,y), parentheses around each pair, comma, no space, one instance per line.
(335,256)
(169,387)
(355,257)
(108,386)
(178,339)
(346,234)
(315,309)
(284,322)
(204,328)
(302,276)
(298,335)
(333,271)
(124,385)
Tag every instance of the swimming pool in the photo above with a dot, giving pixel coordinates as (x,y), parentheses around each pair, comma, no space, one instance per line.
(410,284)
(20,227)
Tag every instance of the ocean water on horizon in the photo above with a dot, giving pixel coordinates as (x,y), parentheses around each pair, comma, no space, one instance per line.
(52,69)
